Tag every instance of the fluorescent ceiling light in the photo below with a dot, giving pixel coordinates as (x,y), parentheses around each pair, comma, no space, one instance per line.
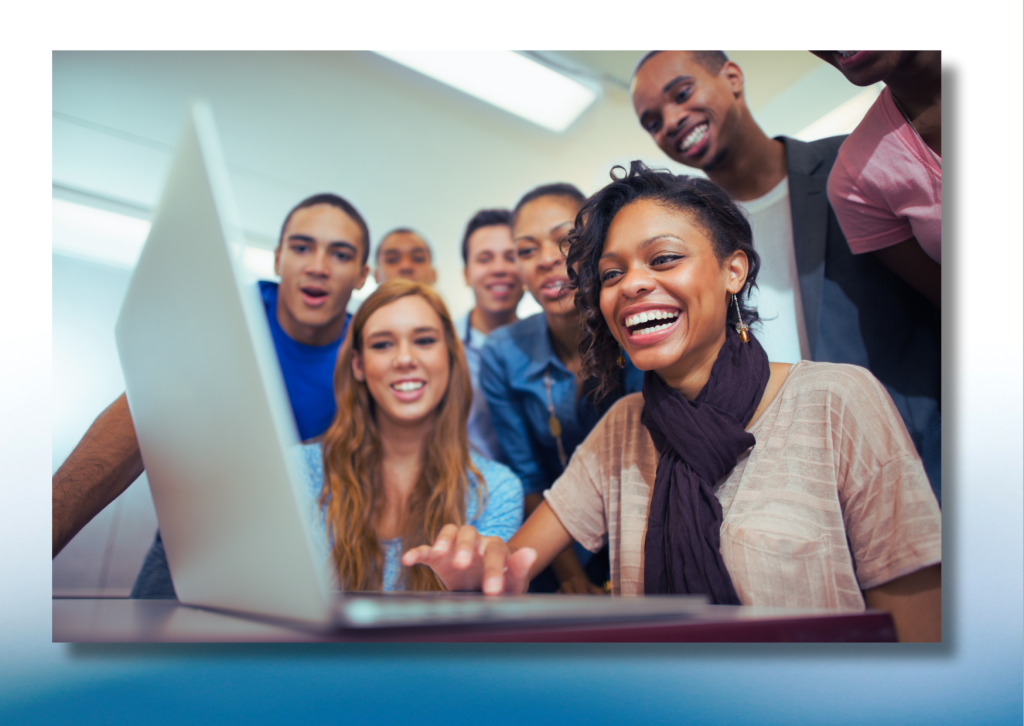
(97,235)
(844,118)
(507,80)
(116,240)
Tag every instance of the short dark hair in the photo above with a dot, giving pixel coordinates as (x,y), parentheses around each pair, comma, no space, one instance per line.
(403,230)
(335,201)
(708,206)
(560,189)
(711,60)
(484,218)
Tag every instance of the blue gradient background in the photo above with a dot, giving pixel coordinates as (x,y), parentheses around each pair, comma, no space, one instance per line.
(975,676)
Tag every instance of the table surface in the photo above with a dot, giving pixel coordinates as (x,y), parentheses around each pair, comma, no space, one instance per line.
(168,621)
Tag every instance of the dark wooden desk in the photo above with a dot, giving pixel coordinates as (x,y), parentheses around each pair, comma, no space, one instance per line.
(167,621)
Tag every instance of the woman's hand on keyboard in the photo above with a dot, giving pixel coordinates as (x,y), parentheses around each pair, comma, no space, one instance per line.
(466,560)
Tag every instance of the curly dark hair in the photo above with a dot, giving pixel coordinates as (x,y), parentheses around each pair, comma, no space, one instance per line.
(707,205)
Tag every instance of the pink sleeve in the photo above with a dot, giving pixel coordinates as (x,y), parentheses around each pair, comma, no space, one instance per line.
(892,519)
(867,223)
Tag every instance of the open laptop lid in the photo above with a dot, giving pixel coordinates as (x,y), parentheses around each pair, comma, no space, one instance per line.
(211,414)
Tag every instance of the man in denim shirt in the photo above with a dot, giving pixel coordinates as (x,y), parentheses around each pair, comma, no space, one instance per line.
(491,272)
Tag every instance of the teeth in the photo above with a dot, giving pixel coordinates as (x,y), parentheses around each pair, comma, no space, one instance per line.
(651,315)
(647,331)
(848,53)
(695,137)
(406,386)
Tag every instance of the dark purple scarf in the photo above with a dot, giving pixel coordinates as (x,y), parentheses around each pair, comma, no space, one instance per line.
(699,443)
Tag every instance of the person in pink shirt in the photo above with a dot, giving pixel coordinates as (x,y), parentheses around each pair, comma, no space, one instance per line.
(886,185)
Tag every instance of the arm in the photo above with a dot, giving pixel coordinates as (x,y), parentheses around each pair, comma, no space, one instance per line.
(104,463)
(913,265)
(466,560)
(915,603)
(872,213)
(893,523)
(566,565)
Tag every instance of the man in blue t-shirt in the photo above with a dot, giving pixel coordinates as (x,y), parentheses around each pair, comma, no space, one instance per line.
(321,258)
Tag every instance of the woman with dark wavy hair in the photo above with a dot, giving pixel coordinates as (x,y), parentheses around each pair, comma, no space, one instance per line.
(751,482)
(395,465)
(541,407)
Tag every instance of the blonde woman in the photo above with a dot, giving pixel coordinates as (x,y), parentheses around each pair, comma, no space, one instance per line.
(395,466)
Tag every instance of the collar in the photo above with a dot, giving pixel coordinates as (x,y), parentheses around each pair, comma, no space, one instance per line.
(470,336)
(801,157)
(536,344)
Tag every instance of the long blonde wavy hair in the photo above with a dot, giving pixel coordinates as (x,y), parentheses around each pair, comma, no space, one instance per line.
(352,498)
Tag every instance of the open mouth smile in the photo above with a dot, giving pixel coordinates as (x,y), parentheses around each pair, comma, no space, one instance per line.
(848,58)
(499,289)
(313,296)
(407,386)
(409,390)
(649,322)
(554,288)
(694,143)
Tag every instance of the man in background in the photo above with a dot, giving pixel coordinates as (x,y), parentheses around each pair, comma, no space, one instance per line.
(404,253)
(828,304)
(489,256)
(321,258)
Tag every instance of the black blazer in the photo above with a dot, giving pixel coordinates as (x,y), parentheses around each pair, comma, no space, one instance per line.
(857,311)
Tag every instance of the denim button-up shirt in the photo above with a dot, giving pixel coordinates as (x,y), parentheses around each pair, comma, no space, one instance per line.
(512,367)
(482,438)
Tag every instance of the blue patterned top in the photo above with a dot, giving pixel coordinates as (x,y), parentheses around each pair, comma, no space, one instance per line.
(502,515)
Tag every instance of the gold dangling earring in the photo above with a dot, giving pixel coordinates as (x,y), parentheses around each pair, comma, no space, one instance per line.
(621,360)
(742,328)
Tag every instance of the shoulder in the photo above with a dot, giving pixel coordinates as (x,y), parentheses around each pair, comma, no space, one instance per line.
(829,146)
(627,407)
(312,457)
(805,155)
(520,330)
(844,379)
(875,123)
(268,289)
(511,347)
(619,429)
(846,397)
(496,475)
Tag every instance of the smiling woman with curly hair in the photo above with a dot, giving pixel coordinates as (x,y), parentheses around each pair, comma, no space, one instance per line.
(751,482)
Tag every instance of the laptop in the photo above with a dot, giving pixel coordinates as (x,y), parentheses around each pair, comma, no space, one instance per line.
(219,441)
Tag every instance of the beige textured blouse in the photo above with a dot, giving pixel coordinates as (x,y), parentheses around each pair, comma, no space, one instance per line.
(830,501)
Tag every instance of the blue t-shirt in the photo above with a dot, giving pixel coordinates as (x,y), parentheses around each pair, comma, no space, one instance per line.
(501,517)
(308,371)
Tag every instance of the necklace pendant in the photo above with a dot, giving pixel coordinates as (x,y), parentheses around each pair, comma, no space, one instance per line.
(555,426)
